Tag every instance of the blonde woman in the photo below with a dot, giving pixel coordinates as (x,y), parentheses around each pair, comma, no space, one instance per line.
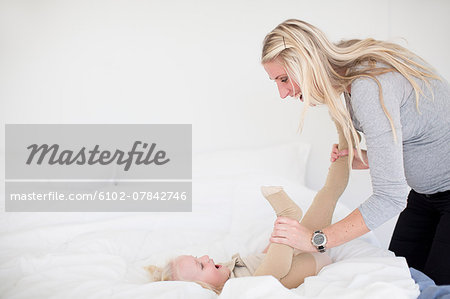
(402,107)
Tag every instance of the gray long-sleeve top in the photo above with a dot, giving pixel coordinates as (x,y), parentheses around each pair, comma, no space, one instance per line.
(421,156)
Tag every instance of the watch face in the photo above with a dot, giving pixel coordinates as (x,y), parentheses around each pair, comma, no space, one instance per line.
(319,239)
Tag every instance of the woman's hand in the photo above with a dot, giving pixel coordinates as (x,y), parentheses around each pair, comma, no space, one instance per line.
(290,232)
(356,163)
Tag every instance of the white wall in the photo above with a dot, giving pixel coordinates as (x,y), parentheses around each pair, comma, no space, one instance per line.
(189,62)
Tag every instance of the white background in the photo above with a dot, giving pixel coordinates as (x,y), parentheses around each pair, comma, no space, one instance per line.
(191,62)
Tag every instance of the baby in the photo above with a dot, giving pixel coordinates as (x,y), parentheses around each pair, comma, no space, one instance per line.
(280,261)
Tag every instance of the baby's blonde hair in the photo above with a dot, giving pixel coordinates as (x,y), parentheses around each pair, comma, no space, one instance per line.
(161,274)
(168,273)
(315,64)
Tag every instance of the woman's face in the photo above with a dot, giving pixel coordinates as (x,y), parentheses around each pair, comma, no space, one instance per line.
(188,267)
(277,73)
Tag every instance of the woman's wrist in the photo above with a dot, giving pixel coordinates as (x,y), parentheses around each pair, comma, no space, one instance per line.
(349,228)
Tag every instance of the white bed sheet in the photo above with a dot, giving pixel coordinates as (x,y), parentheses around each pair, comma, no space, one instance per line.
(101,255)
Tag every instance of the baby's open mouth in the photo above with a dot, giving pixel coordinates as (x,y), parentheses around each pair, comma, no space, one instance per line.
(218,266)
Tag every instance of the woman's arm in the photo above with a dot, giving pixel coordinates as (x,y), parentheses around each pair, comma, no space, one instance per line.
(349,228)
(298,236)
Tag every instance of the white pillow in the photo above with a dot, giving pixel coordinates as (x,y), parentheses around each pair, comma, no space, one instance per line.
(285,160)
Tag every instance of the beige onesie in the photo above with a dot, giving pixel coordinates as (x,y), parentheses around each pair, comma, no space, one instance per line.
(246,266)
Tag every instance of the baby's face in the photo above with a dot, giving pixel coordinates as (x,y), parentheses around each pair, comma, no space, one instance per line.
(203,269)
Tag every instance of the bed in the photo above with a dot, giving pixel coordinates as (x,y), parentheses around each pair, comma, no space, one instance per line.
(103,255)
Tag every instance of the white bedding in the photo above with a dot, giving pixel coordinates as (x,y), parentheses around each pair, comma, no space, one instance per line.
(101,255)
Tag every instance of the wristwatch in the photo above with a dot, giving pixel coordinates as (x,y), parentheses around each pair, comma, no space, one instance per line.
(319,240)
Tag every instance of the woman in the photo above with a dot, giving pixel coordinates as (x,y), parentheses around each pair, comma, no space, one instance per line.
(403,108)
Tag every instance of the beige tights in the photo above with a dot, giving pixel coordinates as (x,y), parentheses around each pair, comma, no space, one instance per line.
(280,261)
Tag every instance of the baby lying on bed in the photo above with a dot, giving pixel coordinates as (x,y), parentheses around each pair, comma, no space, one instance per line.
(280,260)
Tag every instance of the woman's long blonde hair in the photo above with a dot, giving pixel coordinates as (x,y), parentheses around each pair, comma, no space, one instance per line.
(324,70)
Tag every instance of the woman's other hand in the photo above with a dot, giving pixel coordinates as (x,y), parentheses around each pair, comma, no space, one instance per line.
(356,164)
(290,232)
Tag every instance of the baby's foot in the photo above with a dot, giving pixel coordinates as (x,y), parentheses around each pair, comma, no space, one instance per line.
(268,190)
(281,202)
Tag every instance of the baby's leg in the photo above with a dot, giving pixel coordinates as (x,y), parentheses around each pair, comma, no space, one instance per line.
(320,213)
(304,265)
(277,261)
(281,203)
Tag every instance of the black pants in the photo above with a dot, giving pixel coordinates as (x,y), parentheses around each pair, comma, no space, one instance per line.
(422,235)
